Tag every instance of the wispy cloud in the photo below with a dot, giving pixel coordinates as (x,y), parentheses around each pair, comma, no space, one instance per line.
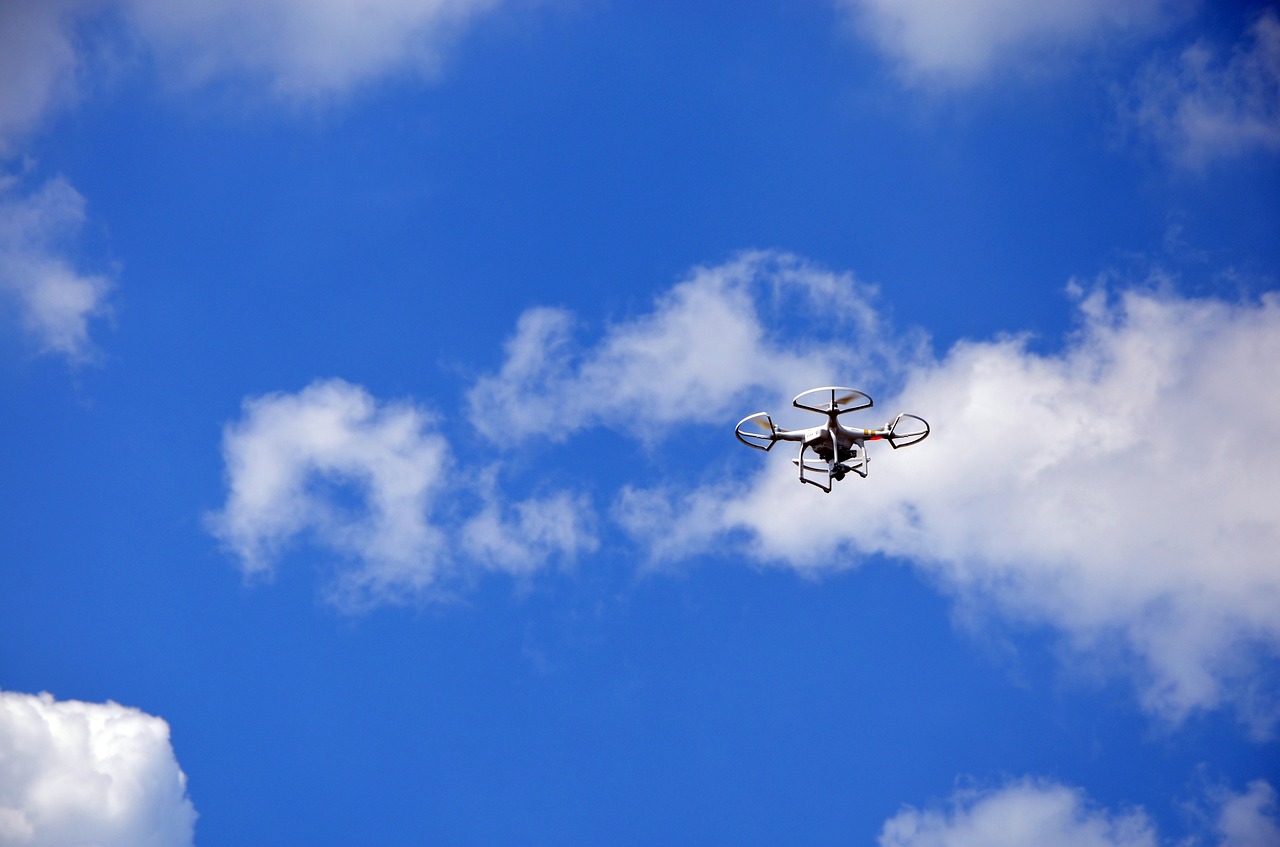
(54,301)
(520,538)
(1248,819)
(301,49)
(956,44)
(718,338)
(38,63)
(88,773)
(1049,814)
(1202,107)
(296,50)
(374,485)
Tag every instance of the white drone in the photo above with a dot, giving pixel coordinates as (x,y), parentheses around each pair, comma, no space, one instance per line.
(838,448)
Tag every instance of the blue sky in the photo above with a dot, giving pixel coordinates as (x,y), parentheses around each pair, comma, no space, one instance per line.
(370,372)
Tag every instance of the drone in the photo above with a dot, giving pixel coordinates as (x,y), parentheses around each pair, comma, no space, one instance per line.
(837,448)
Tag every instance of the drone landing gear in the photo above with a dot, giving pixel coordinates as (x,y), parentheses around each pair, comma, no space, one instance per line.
(823,473)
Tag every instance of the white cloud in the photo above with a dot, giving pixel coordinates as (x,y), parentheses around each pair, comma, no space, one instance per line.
(937,41)
(291,453)
(1200,107)
(713,341)
(88,773)
(374,484)
(522,537)
(1249,819)
(37,63)
(1048,814)
(299,49)
(54,301)
(302,49)
(1121,491)
(1026,812)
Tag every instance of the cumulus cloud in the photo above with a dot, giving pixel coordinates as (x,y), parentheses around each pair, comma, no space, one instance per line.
(302,49)
(1120,490)
(88,773)
(374,484)
(54,301)
(1202,107)
(716,339)
(1049,814)
(38,63)
(959,43)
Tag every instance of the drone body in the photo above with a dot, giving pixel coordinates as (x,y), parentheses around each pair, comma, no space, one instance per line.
(837,449)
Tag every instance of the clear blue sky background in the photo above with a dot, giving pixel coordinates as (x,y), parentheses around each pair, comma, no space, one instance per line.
(391,231)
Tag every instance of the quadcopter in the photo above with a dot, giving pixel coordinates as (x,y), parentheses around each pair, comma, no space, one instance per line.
(838,449)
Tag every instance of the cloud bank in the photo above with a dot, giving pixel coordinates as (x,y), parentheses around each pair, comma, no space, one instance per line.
(88,773)
(1118,490)
(375,487)
(53,300)
(1049,814)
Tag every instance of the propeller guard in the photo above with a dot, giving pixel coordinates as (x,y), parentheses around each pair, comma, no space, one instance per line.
(910,433)
(762,437)
(833,397)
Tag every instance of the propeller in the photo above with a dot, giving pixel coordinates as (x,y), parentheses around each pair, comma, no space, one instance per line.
(840,401)
(825,401)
